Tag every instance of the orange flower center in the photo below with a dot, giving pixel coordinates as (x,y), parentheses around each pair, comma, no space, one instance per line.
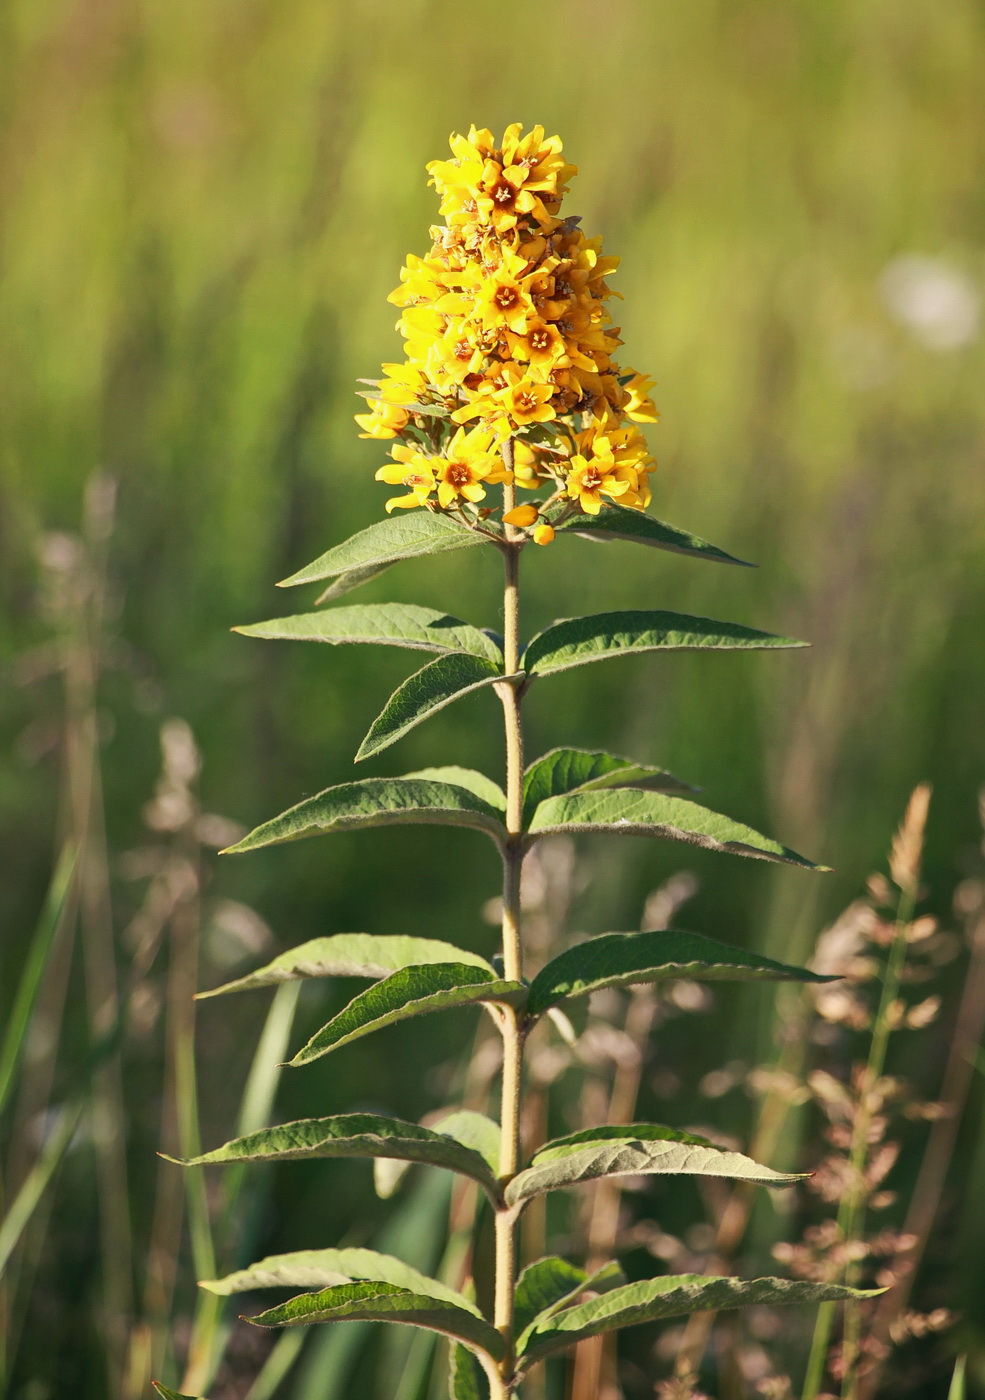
(506,297)
(540,340)
(458,474)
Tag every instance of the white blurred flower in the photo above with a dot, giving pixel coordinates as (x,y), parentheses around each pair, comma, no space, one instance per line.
(934,300)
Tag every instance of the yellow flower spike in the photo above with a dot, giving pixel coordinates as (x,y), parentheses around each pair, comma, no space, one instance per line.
(544,534)
(521,516)
(507,336)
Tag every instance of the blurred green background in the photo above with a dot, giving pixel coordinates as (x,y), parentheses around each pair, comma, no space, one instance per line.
(203,209)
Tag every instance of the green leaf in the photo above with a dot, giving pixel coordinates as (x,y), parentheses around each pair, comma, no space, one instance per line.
(620,523)
(413,991)
(578,640)
(672,1296)
(582,770)
(351,1135)
(350,955)
(473,1130)
(326,1268)
(634,1149)
(384,1302)
(465,1378)
(377,802)
(475,782)
(423,694)
(627,812)
(170,1394)
(351,579)
(630,959)
(548,1284)
(407,536)
(956,1390)
(391,624)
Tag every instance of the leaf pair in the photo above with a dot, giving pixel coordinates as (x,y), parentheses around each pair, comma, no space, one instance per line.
(421,975)
(419,534)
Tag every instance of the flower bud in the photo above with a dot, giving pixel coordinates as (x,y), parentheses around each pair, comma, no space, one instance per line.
(521,515)
(543,534)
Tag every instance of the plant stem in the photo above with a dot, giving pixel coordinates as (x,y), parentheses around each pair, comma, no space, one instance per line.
(512,1030)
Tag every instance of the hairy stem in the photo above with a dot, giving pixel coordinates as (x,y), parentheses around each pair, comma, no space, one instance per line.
(512,1029)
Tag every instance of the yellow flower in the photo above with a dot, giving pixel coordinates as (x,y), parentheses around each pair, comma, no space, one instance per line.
(544,534)
(466,464)
(384,420)
(412,469)
(637,403)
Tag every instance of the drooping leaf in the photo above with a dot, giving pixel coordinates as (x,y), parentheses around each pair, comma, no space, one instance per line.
(391,624)
(423,694)
(473,1130)
(412,991)
(384,1302)
(632,1149)
(620,523)
(469,778)
(465,1377)
(326,1268)
(548,1284)
(628,812)
(352,1135)
(672,1296)
(407,536)
(377,802)
(630,959)
(350,955)
(351,579)
(581,770)
(578,640)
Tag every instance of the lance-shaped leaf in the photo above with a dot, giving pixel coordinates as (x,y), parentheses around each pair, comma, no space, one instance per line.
(413,991)
(548,1284)
(672,1296)
(404,536)
(627,812)
(391,624)
(326,1268)
(631,1149)
(473,1130)
(384,1302)
(351,579)
(475,782)
(620,523)
(351,1135)
(168,1394)
(465,1378)
(630,959)
(423,694)
(350,955)
(578,640)
(377,802)
(582,770)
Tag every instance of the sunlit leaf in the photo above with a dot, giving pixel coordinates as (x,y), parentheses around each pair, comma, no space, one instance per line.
(412,991)
(384,1302)
(627,812)
(473,1130)
(578,640)
(630,959)
(620,523)
(405,536)
(391,624)
(352,1135)
(470,778)
(326,1268)
(633,1149)
(672,1296)
(581,770)
(350,955)
(351,579)
(423,694)
(377,802)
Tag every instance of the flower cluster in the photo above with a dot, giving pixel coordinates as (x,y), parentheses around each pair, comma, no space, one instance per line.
(509,375)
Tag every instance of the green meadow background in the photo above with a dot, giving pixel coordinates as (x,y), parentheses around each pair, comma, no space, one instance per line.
(203,209)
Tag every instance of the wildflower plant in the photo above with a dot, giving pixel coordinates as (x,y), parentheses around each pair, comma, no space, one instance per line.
(509,385)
